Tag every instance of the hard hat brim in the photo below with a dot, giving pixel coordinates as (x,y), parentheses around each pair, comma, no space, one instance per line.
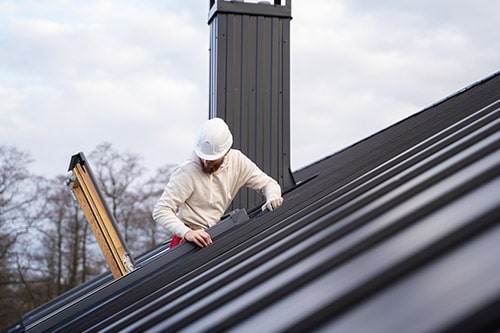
(208,157)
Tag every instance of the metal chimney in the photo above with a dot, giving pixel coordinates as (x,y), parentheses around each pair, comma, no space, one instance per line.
(250,83)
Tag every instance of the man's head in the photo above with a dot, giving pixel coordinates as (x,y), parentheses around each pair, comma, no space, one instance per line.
(213,143)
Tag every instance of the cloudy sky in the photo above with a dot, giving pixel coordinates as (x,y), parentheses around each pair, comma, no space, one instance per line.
(77,73)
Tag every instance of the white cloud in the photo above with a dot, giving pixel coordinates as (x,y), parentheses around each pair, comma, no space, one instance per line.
(76,74)
(105,71)
(359,67)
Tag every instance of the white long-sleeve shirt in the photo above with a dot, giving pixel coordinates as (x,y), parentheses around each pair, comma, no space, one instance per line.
(194,200)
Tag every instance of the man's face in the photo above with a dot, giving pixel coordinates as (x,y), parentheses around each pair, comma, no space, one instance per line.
(209,167)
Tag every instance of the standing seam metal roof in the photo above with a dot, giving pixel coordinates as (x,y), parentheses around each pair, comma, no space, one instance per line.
(398,232)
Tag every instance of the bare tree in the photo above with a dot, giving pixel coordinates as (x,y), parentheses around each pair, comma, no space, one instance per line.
(131,197)
(14,178)
(68,254)
(46,245)
(119,176)
(18,212)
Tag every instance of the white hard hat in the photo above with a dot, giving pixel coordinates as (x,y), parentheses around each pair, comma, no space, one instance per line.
(214,140)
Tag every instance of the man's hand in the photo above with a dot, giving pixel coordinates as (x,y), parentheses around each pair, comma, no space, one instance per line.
(273,203)
(199,237)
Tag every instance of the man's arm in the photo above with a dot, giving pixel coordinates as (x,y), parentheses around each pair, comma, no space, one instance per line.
(258,180)
(175,194)
(177,191)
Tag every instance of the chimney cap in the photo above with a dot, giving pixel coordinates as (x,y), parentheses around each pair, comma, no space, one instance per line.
(259,8)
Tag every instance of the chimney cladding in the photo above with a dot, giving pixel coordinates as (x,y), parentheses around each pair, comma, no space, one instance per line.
(250,83)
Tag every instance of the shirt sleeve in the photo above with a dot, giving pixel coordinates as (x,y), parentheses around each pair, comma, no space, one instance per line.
(177,191)
(258,180)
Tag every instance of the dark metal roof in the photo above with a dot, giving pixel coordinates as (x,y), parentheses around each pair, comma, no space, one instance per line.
(399,232)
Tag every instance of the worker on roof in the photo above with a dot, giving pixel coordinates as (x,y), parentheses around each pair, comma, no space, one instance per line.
(201,189)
